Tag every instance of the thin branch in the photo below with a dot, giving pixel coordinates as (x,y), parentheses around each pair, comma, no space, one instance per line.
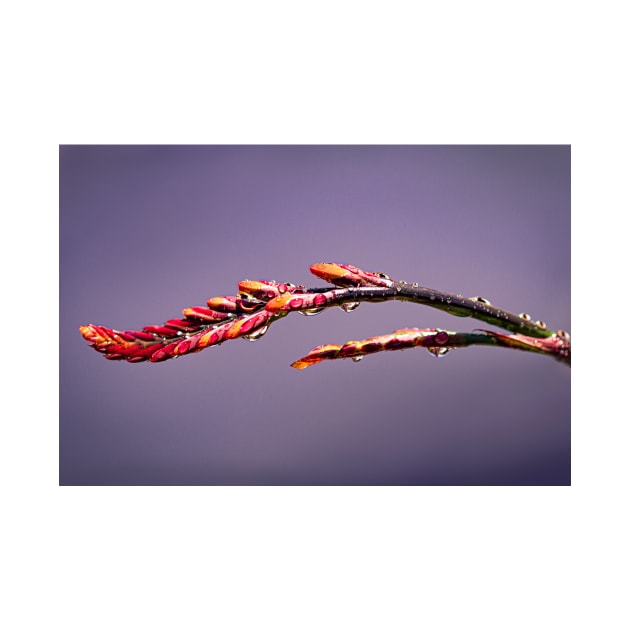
(438,342)
(262,302)
(476,307)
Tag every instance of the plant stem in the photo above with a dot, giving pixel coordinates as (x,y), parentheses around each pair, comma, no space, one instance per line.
(438,342)
(449,302)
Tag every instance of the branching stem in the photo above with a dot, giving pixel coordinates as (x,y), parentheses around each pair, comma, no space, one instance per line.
(261,302)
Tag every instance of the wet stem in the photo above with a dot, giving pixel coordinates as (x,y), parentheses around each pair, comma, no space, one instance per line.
(261,303)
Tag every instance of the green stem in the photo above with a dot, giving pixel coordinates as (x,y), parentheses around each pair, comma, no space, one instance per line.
(448,302)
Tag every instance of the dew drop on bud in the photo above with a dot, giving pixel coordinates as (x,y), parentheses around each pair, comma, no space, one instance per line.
(349,306)
(525,316)
(257,334)
(441,337)
(541,324)
(311,311)
(437,352)
(357,358)
(563,334)
(415,285)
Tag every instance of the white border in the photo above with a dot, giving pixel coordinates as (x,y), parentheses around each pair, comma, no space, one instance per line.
(343,72)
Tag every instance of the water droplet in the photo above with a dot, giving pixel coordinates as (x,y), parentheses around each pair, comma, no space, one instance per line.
(478,298)
(438,352)
(257,334)
(402,282)
(525,316)
(357,358)
(563,334)
(312,311)
(349,306)
(432,296)
(541,324)
(441,337)
(448,300)
(415,285)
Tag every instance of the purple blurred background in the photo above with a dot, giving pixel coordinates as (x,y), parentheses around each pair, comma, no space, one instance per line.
(149,230)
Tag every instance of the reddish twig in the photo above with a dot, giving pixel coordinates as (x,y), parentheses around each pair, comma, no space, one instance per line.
(260,303)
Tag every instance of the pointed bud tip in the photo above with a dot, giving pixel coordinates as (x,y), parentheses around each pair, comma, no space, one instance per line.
(326,271)
(300,364)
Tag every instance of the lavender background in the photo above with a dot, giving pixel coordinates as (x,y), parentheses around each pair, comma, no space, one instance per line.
(148,230)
